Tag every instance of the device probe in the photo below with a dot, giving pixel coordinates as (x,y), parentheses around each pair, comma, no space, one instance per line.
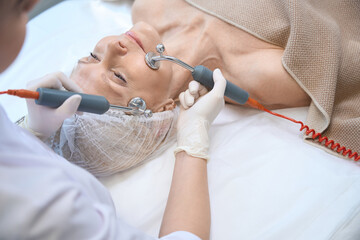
(89,103)
(200,74)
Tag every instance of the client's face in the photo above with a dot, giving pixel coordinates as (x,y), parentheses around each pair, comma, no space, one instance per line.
(117,70)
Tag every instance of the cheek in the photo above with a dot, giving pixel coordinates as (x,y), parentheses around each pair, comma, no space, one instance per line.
(166,73)
(77,77)
(86,80)
(93,82)
(162,80)
(153,82)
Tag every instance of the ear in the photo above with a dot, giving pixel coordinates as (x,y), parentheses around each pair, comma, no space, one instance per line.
(167,105)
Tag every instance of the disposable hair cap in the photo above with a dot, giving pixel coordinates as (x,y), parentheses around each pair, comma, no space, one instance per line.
(113,142)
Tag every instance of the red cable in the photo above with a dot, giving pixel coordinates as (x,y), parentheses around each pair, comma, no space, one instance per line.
(328,143)
(253,103)
(23,93)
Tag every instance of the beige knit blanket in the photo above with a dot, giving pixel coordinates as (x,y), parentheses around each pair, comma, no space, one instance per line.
(321,39)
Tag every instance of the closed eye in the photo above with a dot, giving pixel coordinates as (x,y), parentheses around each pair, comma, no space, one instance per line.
(120,77)
(94,56)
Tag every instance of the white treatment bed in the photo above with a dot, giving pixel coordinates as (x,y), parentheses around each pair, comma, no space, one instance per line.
(265,182)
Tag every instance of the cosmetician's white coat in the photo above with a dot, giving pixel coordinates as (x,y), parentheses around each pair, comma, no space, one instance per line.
(43,196)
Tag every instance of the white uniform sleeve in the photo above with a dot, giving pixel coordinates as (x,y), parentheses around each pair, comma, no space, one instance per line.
(40,208)
(43,196)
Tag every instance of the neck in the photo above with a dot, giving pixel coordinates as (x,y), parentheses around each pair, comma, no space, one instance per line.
(194,47)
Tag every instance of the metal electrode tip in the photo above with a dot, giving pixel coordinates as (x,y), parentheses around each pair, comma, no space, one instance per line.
(148,113)
(160,48)
(153,61)
(139,107)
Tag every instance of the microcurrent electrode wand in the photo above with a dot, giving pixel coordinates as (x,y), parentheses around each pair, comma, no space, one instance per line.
(200,74)
(89,103)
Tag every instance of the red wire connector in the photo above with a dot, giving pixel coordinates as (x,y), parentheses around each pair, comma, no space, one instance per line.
(23,93)
(331,144)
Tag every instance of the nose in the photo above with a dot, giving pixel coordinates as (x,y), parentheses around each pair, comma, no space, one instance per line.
(114,50)
(117,48)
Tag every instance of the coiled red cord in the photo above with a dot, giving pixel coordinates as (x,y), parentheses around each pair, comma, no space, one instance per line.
(251,102)
(331,144)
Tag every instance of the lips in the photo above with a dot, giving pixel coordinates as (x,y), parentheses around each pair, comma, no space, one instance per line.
(135,38)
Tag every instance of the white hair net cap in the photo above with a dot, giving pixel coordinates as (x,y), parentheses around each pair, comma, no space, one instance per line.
(113,142)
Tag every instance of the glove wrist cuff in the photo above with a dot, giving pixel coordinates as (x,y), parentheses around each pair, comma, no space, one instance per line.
(194,139)
(192,152)
(23,123)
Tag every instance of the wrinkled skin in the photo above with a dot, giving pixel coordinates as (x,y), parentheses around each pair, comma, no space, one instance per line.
(116,69)
(198,38)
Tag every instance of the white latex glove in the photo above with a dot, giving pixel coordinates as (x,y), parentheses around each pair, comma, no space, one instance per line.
(196,90)
(193,124)
(44,121)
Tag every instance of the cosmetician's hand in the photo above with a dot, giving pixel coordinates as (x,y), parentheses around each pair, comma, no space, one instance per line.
(44,121)
(195,90)
(193,124)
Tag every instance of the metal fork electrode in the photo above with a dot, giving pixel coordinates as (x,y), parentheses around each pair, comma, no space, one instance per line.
(90,103)
(153,61)
(200,74)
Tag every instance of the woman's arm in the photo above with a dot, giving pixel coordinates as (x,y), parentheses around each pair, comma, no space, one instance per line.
(188,206)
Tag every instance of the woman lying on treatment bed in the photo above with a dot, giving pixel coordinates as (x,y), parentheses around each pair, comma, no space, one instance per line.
(284,54)
(279,53)
(272,50)
(117,70)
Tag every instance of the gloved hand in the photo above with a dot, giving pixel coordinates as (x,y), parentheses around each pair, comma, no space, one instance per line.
(196,90)
(44,121)
(193,124)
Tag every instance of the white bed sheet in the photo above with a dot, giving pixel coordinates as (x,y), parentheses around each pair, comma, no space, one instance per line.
(265,182)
